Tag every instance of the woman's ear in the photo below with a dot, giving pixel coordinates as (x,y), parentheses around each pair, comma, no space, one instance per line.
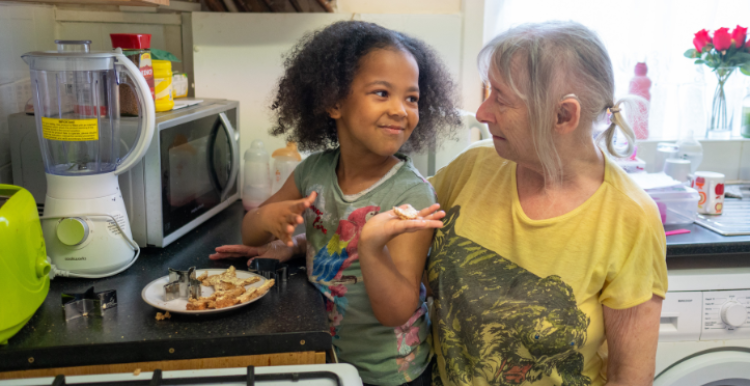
(568,115)
(334,112)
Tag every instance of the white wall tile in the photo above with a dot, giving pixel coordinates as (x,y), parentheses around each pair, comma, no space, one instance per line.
(745,161)
(722,157)
(23,28)
(730,157)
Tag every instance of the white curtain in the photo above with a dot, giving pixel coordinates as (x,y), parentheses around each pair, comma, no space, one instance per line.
(655,31)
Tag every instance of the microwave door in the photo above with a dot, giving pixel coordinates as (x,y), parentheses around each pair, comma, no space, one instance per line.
(224,160)
(196,162)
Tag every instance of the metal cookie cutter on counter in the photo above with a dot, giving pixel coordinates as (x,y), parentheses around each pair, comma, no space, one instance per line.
(269,268)
(88,303)
(182,284)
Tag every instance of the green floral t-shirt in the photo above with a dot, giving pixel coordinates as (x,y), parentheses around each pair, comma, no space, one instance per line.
(382,355)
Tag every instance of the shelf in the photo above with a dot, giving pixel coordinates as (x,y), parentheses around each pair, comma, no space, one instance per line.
(105,2)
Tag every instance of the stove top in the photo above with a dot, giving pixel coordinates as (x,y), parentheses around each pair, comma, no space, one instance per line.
(299,375)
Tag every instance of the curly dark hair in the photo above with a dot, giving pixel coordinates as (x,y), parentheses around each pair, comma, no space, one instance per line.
(319,73)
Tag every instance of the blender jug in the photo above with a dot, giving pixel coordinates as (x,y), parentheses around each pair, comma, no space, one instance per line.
(77,114)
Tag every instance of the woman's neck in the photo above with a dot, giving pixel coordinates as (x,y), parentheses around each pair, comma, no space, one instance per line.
(357,172)
(582,174)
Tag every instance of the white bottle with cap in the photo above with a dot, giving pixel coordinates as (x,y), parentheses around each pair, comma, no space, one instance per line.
(257,183)
(285,160)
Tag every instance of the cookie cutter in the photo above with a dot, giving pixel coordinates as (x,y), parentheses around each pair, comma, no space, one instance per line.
(269,268)
(182,284)
(88,303)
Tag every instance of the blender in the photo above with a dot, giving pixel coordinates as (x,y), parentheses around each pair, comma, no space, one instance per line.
(77,112)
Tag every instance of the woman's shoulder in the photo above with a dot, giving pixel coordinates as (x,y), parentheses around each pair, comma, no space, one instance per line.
(628,194)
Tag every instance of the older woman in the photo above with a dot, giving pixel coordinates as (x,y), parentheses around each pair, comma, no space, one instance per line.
(549,268)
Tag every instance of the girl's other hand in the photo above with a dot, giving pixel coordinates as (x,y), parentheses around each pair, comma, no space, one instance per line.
(381,229)
(281,218)
(273,250)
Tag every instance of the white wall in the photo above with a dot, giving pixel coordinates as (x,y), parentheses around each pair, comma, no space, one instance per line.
(239,56)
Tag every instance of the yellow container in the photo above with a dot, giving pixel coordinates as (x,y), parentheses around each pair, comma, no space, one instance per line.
(163,85)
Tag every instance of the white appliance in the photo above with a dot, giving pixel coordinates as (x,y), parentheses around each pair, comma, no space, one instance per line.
(188,175)
(332,374)
(704,335)
(76,105)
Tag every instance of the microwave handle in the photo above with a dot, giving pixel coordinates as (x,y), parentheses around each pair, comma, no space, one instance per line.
(234,147)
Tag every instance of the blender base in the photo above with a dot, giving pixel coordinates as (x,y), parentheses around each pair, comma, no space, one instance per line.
(102,244)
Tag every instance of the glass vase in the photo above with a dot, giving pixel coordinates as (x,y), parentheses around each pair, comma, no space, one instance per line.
(720,125)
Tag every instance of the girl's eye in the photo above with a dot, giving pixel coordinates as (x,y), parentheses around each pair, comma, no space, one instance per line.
(381,93)
(413,99)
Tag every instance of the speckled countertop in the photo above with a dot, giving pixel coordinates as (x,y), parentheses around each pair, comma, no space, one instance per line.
(702,241)
(290,318)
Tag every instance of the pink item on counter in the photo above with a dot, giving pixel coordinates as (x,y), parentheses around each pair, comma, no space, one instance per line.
(640,85)
(677,232)
(662,211)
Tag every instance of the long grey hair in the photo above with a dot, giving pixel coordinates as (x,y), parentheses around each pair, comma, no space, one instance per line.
(558,58)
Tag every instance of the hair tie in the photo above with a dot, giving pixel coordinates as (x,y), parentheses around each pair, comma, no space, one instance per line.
(613,109)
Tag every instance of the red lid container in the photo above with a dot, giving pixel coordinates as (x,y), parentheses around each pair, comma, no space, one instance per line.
(131,41)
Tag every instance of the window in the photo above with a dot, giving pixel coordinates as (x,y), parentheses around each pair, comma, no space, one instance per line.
(655,31)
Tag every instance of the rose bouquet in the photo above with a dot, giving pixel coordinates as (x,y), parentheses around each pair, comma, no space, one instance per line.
(723,53)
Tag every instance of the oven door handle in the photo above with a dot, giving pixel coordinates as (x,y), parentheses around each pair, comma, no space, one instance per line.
(234,147)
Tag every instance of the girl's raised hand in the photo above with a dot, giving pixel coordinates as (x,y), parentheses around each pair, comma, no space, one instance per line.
(280,218)
(381,229)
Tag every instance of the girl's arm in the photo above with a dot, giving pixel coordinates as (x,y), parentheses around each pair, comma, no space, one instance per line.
(392,255)
(277,217)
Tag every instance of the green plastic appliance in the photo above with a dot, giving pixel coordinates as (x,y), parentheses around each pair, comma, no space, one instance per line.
(24,270)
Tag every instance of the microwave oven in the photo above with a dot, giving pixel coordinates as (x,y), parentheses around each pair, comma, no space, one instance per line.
(188,175)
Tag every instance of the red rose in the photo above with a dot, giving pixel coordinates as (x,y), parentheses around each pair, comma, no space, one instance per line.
(719,189)
(738,36)
(701,39)
(722,39)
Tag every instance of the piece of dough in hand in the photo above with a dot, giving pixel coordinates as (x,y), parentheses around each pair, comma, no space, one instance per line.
(409,213)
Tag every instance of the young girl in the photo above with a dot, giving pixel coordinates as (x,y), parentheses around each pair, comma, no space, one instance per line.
(371,91)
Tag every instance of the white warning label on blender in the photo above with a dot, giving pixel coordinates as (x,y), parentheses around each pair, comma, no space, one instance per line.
(120,221)
(70,129)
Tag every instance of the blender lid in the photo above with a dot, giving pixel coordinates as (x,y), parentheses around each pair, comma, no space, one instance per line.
(71,61)
(71,55)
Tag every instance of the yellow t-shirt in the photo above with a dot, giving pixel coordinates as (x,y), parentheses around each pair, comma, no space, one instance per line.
(519,301)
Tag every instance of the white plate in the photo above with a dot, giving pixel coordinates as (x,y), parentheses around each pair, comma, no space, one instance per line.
(153,293)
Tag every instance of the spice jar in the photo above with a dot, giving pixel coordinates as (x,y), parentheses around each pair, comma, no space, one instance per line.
(135,47)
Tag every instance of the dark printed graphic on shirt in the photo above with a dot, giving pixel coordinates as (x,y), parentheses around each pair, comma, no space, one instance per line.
(498,323)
